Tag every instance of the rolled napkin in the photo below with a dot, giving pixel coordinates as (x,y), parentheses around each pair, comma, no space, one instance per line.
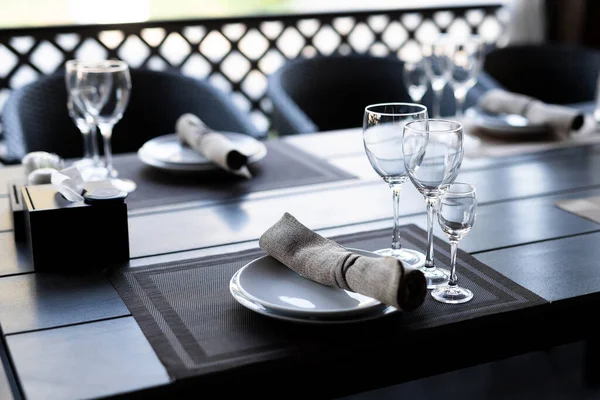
(212,145)
(69,183)
(561,120)
(324,261)
(41,159)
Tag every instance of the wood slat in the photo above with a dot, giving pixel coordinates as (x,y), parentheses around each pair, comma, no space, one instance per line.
(40,301)
(555,270)
(6,223)
(85,361)
(348,142)
(13,256)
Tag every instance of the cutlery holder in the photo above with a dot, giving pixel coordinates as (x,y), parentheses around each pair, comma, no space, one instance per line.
(73,236)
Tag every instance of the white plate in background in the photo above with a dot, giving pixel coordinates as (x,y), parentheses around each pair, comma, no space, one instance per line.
(166,152)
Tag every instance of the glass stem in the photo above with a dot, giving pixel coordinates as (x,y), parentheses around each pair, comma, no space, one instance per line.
(438,92)
(93,139)
(106,131)
(453,249)
(429,263)
(460,95)
(396,190)
(87,150)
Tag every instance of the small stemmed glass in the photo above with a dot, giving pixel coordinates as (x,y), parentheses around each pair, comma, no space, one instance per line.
(438,56)
(382,137)
(104,89)
(415,79)
(433,153)
(456,215)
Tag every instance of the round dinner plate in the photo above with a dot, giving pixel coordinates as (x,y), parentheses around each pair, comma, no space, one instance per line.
(504,125)
(166,152)
(251,304)
(267,286)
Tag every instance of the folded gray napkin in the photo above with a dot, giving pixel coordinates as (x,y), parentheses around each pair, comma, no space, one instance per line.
(324,261)
(561,120)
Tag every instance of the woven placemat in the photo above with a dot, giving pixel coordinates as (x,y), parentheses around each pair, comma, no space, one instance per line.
(284,166)
(195,326)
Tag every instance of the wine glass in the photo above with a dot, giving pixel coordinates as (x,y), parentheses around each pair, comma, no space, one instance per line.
(456,215)
(89,165)
(415,79)
(382,138)
(104,89)
(467,61)
(438,56)
(433,153)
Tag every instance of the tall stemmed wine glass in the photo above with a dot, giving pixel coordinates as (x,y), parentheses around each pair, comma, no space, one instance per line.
(438,57)
(456,215)
(382,138)
(433,153)
(90,164)
(467,61)
(104,89)
(415,79)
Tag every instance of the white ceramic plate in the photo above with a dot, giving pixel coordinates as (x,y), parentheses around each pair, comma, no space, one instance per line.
(269,287)
(251,304)
(504,124)
(166,152)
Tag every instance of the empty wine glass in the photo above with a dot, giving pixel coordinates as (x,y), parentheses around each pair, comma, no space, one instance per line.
(104,89)
(456,215)
(382,138)
(438,57)
(415,79)
(433,153)
(467,61)
(89,165)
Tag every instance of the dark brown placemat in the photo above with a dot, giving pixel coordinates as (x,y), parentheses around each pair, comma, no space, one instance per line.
(284,166)
(195,326)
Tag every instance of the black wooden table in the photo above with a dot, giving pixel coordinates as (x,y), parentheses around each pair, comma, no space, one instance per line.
(70,336)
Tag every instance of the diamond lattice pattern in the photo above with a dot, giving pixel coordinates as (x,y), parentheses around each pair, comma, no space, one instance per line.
(238,56)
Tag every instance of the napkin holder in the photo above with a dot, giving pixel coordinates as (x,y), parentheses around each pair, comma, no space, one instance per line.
(16,208)
(73,236)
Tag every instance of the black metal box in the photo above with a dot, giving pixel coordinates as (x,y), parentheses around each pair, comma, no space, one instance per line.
(73,236)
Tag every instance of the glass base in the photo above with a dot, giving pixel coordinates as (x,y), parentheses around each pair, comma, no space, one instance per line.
(436,276)
(412,258)
(452,294)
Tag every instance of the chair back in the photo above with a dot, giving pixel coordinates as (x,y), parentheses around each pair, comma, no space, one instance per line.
(556,74)
(328,93)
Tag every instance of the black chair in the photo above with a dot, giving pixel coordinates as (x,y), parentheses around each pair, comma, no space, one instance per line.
(555,74)
(35,116)
(328,93)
